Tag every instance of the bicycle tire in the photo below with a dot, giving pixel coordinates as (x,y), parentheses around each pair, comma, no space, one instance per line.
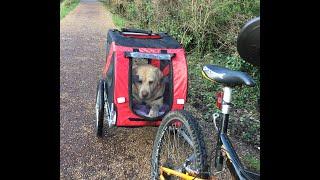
(99,109)
(188,126)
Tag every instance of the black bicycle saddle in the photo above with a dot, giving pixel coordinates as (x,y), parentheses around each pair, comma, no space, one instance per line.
(248,42)
(227,76)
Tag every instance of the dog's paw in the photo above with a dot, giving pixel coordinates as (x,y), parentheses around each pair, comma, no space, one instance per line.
(153,113)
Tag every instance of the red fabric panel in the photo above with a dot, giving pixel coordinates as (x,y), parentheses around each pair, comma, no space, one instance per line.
(166,70)
(180,77)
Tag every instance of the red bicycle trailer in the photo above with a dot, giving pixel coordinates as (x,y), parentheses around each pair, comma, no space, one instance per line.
(114,100)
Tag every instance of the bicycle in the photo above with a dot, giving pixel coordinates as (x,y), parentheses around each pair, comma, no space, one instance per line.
(179,149)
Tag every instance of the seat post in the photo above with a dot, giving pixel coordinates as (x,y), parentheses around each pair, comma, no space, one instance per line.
(227,92)
(226,103)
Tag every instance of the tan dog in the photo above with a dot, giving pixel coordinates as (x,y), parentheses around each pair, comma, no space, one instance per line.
(148,87)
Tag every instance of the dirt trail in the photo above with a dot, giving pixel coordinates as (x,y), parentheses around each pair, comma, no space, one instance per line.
(125,152)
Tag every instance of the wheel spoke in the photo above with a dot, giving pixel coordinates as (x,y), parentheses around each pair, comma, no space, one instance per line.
(174,144)
(168,145)
(185,136)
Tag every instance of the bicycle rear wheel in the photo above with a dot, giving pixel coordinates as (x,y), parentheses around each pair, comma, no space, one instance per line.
(179,145)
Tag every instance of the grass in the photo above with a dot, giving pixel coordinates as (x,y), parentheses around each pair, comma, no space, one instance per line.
(118,21)
(252,163)
(66,6)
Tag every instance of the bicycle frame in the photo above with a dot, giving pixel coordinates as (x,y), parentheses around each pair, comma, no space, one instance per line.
(224,149)
(224,145)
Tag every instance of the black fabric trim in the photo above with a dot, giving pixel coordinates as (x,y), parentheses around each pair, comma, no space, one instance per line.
(163,51)
(165,41)
(110,80)
(163,64)
(146,119)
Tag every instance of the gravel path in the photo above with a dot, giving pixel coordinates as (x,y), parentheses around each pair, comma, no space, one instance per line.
(124,153)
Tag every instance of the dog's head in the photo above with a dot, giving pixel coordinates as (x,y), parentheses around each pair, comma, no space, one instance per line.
(146,80)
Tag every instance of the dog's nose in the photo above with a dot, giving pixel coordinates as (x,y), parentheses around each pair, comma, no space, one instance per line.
(145,94)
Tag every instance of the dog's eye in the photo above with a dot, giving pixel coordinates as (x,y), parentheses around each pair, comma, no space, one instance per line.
(150,82)
(140,82)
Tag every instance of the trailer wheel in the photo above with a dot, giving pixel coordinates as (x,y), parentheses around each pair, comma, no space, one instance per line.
(99,109)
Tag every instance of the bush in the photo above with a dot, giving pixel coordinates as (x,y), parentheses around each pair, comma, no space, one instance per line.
(202,25)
